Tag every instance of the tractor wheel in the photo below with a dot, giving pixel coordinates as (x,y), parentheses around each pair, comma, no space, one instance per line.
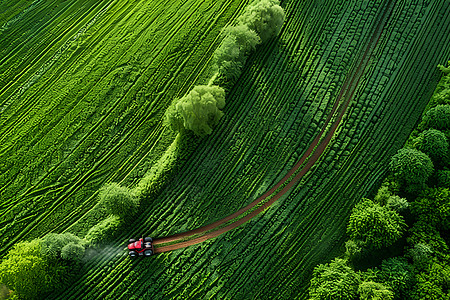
(148,239)
(131,241)
(148,252)
(132,254)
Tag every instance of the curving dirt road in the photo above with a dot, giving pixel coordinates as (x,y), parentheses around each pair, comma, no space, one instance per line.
(346,93)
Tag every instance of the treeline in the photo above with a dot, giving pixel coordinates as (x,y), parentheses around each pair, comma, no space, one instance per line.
(32,269)
(409,216)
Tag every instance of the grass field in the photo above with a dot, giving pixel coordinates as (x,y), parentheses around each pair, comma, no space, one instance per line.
(84,86)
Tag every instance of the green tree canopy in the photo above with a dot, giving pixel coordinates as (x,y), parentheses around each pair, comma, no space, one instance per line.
(265,17)
(397,273)
(375,226)
(397,203)
(434,208)
(105,230)
(28,272)
(369,290)
(411,166)
(198,111)
(438,117)
(335,280)
(232,53)
(119,200)
(53,243)
(433,143)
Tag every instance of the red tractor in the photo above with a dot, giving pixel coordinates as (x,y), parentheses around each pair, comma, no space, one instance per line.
(141,247)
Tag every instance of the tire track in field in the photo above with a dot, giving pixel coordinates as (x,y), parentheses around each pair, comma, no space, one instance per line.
(311,155)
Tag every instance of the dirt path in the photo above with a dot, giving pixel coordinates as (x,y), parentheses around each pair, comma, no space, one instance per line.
(347,92)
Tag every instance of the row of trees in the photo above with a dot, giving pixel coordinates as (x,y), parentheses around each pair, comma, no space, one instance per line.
(418,227)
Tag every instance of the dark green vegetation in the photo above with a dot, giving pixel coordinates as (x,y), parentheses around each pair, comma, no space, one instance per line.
(418,266)
(84,104)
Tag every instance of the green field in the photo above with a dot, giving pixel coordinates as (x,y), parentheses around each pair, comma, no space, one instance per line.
(83,89)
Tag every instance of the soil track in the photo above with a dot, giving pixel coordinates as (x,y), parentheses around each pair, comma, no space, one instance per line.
(346,94)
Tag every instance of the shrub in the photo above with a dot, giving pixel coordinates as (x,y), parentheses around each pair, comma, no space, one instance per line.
(53,243)
(375,226)
(335,280)
(28,272)
(104,230)
(411,166)
(199,110)
(438,117)
(434,208)
(396,203)
(119,200)
(72,251)
(369,290)
(265,17)
(232,53)
(433,143)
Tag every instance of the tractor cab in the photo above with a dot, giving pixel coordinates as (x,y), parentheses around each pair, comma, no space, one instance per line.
(141,247)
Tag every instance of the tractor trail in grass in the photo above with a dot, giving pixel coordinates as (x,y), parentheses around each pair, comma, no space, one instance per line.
(347,92)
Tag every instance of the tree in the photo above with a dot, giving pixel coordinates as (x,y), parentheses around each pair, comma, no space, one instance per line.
(265,17)
(397,203)
(199,110)
(438,117)
(433,143)
(335,280)
(104,230)
(369,290)
(53,243)
(72,251)
(28,272)
(422,232)
(375,226)
(397,273)
(119,200)
(443,178)
(411,166)
(421,255)
(232,53)
(434,208)
(433,284)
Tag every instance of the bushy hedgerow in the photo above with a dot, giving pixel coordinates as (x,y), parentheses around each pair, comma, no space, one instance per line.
(374,226)
(198,111)
(232,53)
(31,274)
(265,17)
(105,230)
(119,200)
(335,280)
(411,166)
(438,117)
(53,243)
(72,251)
(433,143)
